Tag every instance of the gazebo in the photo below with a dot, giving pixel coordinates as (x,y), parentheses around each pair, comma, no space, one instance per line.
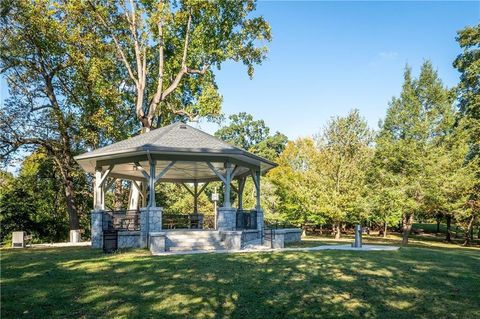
(176,153)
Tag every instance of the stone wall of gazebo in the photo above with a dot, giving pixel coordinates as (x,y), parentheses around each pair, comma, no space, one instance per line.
(152,236)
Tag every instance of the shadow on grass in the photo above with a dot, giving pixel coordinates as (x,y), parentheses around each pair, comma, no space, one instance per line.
(80,282)
(425,241)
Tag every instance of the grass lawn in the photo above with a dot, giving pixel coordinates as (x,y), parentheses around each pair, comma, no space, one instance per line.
(414,282)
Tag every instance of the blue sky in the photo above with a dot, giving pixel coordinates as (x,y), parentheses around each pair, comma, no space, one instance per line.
(327,58)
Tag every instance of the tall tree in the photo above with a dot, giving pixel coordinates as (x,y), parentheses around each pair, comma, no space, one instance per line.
(468,90)
(344,155)
(59,99)
(450,180)
(415,123)
(168,49)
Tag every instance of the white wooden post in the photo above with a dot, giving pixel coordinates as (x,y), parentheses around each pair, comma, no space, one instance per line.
(151,186)
(258,191)
(241,186)
(98,196)
(195,197)
(228,180)
(256,180)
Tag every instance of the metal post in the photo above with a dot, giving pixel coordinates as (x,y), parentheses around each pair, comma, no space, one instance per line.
(358,236)
(215,200)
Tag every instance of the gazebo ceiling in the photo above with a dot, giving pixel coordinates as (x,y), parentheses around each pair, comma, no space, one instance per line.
(189,147)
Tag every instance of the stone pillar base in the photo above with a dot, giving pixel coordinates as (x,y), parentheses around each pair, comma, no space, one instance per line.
(232,239)
(260,222)
(226,218)
(150,221)
(157,242)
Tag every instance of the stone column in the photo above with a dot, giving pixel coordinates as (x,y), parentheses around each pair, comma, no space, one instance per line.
(150,221)
(96,229)
(260,222)
(226,218)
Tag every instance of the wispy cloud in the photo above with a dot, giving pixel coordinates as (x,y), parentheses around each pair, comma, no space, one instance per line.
(383,57)
(388,55)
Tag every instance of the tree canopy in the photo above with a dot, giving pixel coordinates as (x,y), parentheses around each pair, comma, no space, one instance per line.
(252,135)
(168,49)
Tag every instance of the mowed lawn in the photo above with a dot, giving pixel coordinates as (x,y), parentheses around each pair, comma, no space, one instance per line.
(84,283)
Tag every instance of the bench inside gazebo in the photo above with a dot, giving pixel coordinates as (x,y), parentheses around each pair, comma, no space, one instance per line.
(177,153)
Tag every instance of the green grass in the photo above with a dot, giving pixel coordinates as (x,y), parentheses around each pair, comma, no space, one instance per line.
(84,283)
(422,241)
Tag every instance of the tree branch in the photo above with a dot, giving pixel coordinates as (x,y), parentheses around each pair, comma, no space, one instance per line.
(117,44)
(185,46)
(133,29)
(159,95)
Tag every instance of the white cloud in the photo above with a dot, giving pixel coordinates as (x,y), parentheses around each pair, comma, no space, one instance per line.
(388,55)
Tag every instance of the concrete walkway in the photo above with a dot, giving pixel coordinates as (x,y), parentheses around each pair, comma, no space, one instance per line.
(49,245)
(266,249)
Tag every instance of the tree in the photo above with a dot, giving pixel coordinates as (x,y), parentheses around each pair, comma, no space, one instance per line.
(60,99)
(252,135)
(169,47)
(385,199)
(415,125)
(450,180)
(468,90)
(297,183)
(33,201)
(344,155)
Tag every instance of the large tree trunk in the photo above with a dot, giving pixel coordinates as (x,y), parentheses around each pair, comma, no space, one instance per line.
(385,230)
(468,232)
(118,194)
(73,219)
(448,236)
(438,222)
(407,221)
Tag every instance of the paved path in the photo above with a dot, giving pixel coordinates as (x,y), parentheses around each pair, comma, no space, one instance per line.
(249,250)
(47,245)
(266,249)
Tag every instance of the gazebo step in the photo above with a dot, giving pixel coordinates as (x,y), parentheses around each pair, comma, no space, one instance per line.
(195,247)
(190,233)
(182,240)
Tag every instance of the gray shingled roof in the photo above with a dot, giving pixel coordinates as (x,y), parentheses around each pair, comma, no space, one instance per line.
(177,138)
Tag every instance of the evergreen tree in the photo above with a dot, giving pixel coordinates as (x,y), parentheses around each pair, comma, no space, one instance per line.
(468,64)
(415,124)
